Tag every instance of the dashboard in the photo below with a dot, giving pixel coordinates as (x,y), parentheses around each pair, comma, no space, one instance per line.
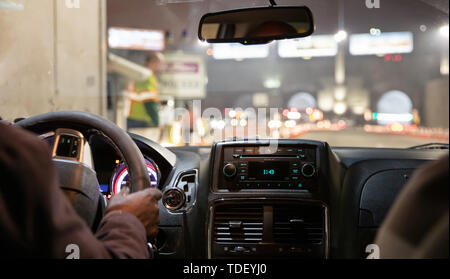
(267,199)
(112,172)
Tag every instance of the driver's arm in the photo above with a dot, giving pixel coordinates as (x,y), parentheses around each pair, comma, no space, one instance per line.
(417,224)
(38,221)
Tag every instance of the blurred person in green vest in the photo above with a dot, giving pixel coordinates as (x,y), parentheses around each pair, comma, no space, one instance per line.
(143,96)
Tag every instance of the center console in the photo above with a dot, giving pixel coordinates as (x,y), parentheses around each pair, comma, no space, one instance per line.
(266,200)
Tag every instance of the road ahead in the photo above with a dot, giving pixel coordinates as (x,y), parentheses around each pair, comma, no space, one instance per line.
(359,138)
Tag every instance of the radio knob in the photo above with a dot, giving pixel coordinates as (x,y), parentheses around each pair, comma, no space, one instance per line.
(229,171)
(308,170)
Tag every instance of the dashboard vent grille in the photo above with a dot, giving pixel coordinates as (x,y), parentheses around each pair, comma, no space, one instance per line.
(238,223)
(299,224)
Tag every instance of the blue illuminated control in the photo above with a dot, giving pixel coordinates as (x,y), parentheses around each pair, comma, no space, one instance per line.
(308,170)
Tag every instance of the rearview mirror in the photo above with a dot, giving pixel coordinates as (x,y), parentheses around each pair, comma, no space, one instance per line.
(256,25)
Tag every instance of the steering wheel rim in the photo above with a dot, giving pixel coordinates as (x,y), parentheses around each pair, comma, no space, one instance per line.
(124,144)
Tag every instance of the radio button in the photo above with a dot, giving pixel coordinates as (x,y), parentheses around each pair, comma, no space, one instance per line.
(245,185)
(295,171)
(242,177)
(249,185)
(275,185)
(308,170)
(279,185)
(243,164)
(242,171)
(295,178)
(267,150)
(249,150)
(229,170)
(290,150)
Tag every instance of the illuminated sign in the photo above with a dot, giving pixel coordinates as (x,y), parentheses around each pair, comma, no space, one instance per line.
(239,51)
(183,76)
(320,45)
(136,39)
(384,43)
(388,118)
(394,107)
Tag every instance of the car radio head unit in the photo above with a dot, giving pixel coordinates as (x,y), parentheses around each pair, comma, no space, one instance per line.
(251,167)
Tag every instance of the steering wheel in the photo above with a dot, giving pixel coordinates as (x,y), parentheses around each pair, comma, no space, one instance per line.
(78,180)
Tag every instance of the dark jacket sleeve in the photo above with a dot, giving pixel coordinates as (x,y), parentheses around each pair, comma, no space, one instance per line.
(38,221)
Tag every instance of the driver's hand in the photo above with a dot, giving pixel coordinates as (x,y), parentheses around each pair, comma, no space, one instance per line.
(142,204)
(7,123)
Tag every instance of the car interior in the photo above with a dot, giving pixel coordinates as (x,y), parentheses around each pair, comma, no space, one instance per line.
(240,197)
(323,202)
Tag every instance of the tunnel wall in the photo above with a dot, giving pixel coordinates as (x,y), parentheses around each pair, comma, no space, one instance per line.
(436,105)
(52,57)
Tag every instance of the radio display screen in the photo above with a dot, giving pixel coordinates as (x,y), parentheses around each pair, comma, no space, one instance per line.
(275,171)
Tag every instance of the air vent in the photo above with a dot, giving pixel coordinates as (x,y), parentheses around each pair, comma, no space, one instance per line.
(238,224)
(299,224)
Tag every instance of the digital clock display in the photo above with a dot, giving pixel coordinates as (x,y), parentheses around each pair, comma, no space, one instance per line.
(276,171)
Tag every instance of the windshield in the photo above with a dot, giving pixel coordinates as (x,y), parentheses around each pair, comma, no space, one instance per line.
(374,73)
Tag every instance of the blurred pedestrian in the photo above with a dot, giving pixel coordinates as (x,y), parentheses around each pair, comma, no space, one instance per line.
(143,96)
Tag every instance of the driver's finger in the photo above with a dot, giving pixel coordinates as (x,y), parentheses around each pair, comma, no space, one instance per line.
(155,210)
(156,193)
(125,191)
(5,122)
(152,232)
(153,193)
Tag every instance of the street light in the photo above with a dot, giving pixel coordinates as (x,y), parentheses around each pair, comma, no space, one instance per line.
(340,108)
(375,32)
(340,36)
(272,83)
(203,43)
(444,31)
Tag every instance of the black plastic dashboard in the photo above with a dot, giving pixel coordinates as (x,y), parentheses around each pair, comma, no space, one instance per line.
(263,212)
